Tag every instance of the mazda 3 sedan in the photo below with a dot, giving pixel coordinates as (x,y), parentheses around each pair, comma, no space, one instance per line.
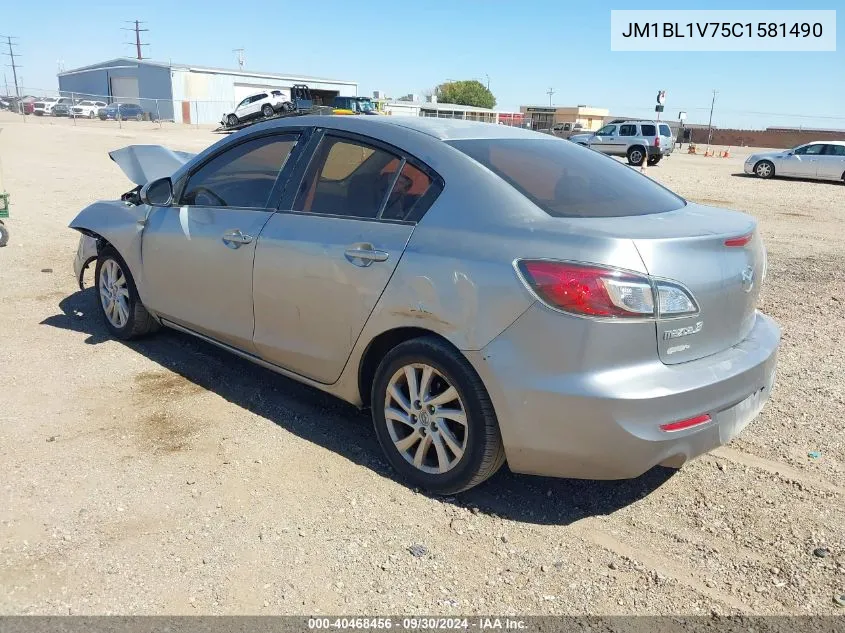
(490,293)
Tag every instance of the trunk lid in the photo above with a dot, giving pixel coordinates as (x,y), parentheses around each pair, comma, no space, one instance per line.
(688,246)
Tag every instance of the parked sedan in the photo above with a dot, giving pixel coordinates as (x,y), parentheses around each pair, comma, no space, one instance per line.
(123,111)
(824,160)
(490,293)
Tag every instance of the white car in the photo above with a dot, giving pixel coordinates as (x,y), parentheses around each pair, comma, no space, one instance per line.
(823,160)
(87,108)
(44,107)
(264,104)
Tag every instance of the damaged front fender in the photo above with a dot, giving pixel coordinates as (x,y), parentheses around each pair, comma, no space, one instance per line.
(117,223)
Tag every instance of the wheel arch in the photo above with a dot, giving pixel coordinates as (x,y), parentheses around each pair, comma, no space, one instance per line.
(380,346)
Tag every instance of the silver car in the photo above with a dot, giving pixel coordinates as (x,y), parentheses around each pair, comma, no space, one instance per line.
(492,294)
(823,160)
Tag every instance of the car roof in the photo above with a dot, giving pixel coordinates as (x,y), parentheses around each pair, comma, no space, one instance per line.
(442,129)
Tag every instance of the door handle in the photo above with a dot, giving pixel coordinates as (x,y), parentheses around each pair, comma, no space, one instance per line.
(365,254)
(236,239)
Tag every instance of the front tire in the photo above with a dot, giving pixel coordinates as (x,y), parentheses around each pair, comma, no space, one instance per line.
(231,120)
(636,156)
(434,419)
(764,169)
(123,313)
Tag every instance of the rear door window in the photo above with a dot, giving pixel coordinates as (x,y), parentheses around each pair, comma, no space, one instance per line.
(566,180)
(347,177)
(648,129)
(627,130)
(834,150)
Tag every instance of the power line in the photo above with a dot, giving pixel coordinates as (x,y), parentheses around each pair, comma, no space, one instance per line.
(138,30)
(11,54)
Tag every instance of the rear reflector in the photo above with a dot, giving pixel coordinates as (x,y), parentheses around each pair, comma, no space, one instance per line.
(739,241)
(685,424)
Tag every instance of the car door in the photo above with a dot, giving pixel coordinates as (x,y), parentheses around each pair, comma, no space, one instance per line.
(325,258)
(802,162)
(627,133)
(604,139)
(198,254)
(831,163)
(255,103)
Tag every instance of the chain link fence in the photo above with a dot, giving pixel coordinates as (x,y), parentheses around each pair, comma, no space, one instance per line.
(45,106)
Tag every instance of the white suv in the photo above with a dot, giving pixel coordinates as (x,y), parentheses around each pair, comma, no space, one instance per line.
(264,104)
(637,140)
(87,108)
(44,107)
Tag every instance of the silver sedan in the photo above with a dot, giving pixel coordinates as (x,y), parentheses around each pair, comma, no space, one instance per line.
(823,160)
(491,294)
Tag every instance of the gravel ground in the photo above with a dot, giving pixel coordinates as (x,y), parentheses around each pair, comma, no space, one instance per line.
(165,476)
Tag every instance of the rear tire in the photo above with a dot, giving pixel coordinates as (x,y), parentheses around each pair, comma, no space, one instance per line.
(4,234)
(123,313)
(636,156)
(267,110)
(764,169)
(442,434)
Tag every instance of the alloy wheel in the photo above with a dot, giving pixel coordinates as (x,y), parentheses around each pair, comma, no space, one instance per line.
(114,293)
(426,419)
(764,170)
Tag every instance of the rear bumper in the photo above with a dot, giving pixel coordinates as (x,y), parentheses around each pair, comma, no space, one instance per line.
(605,423)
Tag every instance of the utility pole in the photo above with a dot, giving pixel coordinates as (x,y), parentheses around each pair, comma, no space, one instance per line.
(138,30)
(710,123)
(550,92)
(488,80)
(11,54)
(241,60)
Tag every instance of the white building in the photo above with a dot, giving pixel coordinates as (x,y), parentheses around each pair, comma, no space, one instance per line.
(186,93)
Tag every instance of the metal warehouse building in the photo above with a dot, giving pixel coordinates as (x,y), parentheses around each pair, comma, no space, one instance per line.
(183,93)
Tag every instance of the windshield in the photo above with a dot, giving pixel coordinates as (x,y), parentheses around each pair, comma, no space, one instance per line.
(566,180)
(365,106)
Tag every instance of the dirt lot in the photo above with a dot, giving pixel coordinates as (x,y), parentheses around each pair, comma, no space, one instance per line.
(168,477)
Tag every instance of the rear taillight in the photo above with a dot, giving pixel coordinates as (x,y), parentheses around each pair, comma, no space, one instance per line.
(656,141)
(589,290)
(599,291)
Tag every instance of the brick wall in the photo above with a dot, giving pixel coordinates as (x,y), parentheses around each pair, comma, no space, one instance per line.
(779,139)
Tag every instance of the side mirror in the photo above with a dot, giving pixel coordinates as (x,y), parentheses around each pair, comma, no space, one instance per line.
(158,193)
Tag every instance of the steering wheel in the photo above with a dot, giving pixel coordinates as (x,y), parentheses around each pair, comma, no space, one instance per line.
(216,200)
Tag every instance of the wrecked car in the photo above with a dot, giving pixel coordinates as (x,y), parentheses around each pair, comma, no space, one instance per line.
(491,294)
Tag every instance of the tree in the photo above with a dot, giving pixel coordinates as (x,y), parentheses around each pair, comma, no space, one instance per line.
(470,92)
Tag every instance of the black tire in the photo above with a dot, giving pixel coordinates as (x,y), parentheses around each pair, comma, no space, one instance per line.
(92,114)
(764,169)
(267,110)
(231,120)
(4,234)
(139,321)
(636,155)
(484,453)
(653,160)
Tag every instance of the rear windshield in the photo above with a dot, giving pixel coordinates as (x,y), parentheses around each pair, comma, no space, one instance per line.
(566,180)
(665,131)
(649,130)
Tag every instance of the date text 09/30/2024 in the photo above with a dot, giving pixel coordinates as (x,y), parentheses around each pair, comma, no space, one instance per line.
(722,29)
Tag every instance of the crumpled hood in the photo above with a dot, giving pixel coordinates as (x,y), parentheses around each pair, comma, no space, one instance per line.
(145,163)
